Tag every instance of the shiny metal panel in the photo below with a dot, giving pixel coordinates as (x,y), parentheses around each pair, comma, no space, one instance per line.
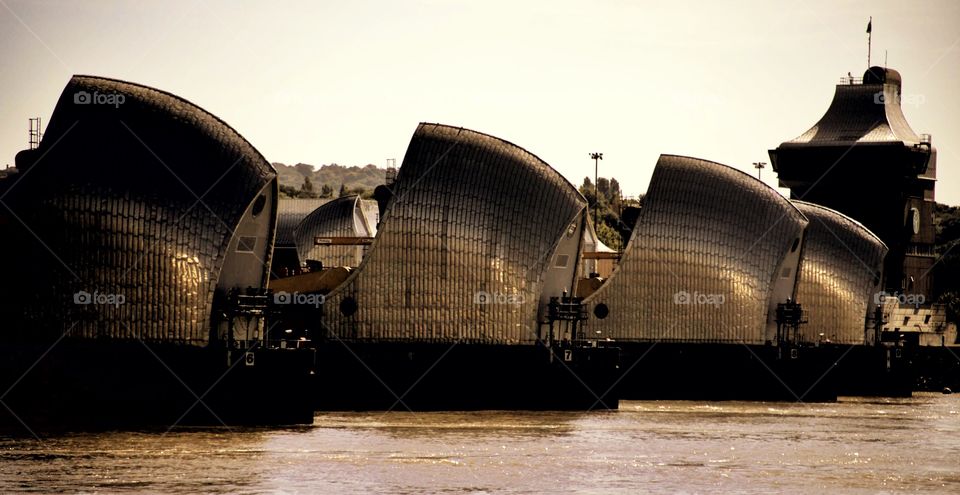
(291,212)
(463,246)
(133,199)
(702,259)
(340,217)
(839,275)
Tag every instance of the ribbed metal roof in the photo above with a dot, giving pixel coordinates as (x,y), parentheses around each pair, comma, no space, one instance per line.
(134,192)
(290,213)
(340,217)
(463,246)
(867,112)
(839,275)
(702,260)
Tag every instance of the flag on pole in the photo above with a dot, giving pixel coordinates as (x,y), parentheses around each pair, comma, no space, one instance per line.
(870,25)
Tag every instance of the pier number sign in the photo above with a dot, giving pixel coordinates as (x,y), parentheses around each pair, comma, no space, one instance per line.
(249,359)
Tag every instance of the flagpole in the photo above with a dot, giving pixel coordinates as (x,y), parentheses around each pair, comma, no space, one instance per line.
(869,39)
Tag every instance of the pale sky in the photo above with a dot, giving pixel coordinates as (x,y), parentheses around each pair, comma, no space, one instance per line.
(347,82)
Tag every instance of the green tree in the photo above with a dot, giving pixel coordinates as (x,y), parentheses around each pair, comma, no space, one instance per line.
(609,236)
(603,188)
(306,190)
(289,192)
(607,207)
(326,191)
(304,169)
(946,271)
(614,192)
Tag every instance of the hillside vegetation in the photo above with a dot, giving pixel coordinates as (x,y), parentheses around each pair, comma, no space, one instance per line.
(946,272)
(306,181)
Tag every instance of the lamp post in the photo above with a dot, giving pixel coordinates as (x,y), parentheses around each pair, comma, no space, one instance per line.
(759,166)
(596,190)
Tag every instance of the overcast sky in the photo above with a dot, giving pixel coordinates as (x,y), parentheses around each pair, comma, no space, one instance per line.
(347,82)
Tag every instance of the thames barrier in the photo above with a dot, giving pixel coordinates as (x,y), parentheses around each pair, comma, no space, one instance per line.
(152,251)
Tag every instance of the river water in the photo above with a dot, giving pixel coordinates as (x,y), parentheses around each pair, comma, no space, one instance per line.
(856,445)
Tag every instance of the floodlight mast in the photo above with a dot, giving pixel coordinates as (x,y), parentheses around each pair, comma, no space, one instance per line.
(596,191)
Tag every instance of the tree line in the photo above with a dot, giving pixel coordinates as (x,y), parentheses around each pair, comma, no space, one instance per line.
(616,213)
(308,190)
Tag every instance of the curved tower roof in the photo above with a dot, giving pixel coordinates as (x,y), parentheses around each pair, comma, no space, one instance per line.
(862,113)
(703,260)
(839,275)
(463,246)
(862,159)
(137,193)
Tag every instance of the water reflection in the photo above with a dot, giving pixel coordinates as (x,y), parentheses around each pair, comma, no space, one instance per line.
(853,446)
(458,424)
